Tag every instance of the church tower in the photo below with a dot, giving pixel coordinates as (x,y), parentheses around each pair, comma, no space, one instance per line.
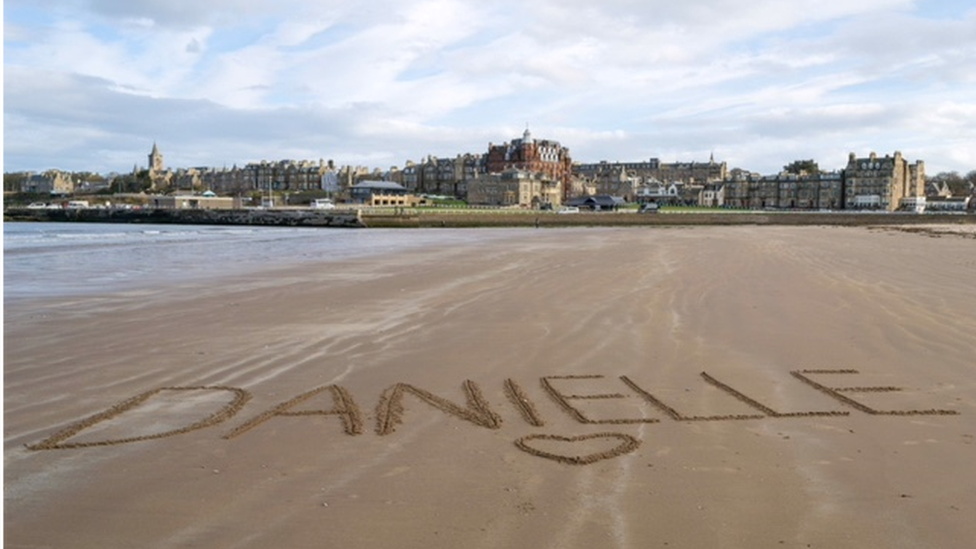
(155,160)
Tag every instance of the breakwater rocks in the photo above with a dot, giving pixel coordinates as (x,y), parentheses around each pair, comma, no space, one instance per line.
(476,218)
(287,218)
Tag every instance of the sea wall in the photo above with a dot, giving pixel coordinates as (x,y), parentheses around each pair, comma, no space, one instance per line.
(474,218)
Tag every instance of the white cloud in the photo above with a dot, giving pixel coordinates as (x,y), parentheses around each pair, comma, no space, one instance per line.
(760,82)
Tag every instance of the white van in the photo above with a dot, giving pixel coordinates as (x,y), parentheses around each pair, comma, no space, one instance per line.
(77,204)
(323,204)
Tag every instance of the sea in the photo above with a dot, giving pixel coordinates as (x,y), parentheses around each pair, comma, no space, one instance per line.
(55,260)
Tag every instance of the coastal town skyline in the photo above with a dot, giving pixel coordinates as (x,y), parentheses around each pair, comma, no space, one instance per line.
(757,84)
(539,174)
(156,163)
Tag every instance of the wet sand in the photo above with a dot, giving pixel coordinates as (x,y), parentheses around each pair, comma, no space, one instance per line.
(564,388)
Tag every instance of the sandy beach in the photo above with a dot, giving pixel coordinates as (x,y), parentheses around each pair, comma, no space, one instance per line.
(676,387)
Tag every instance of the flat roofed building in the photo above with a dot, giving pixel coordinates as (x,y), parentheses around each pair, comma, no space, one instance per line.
(193,202)
(362,192)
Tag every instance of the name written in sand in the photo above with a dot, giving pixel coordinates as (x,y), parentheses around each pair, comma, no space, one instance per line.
(476,410)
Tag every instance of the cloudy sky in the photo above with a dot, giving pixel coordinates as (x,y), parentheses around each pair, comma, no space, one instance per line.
(91,84)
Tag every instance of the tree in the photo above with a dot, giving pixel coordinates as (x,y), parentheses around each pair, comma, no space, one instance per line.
(12,181)
(132,183)
(801,167)
(90,177)
(955,182)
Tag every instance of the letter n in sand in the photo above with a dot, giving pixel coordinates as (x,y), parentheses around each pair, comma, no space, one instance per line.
(389,411)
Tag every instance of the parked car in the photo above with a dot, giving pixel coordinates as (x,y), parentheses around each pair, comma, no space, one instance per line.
(650,207)
(569,210)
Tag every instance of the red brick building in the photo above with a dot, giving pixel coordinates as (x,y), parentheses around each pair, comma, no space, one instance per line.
(543,156)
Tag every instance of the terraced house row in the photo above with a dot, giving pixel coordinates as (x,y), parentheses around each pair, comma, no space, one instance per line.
(871,183)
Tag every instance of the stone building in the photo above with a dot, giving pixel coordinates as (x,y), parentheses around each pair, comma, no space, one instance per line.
(712,195)
(443,176)
(286,175)
(875,183)
(532,155)
(515,187)
(232,181)
(612,180)
(187,178)
(871,183)
(50,182)
(452,176)
(265,176)
(693,172)
(654,170)
(817,191)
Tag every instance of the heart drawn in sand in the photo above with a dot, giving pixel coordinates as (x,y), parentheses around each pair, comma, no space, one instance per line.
(560,448)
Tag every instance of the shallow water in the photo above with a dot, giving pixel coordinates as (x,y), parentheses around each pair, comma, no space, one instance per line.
(62,259)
